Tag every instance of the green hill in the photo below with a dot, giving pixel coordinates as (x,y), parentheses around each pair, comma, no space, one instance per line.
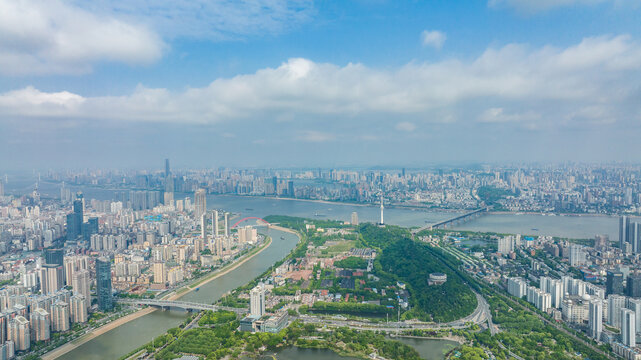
(411,262)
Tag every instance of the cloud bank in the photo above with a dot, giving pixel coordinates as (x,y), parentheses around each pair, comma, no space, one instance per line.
(590,83)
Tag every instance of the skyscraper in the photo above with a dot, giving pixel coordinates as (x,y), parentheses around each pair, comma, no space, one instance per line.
(60,316)
(81,284)
(227,229)
(615,304)
(203,226)
(614,283)
(18,332)
(595,318)
(40,322)
(54,256)
(215,223)
(167,171)
(103,284)
(75,219)
(628,328)
(200,203)
(257,300)
(78,309)
(290,189)
(633,286)
(354,218)
(623,229)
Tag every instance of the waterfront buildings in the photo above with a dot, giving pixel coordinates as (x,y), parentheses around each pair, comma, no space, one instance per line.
(200,203)
(103,284)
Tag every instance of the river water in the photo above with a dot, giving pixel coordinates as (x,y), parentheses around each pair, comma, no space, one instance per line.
(123,339)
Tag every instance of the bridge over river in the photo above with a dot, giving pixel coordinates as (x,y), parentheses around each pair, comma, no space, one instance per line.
(180,304)
(451,221)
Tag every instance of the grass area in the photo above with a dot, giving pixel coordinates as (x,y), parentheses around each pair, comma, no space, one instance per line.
(339,247)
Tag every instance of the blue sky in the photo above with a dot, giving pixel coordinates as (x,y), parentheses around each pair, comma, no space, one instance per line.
(304,83)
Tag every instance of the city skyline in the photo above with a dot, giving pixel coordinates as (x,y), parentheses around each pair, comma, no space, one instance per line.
(293,83)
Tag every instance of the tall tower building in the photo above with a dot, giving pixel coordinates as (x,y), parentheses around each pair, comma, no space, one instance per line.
(203,226)
(615,304)
(257,300)
(103,284)
(227,224)
(628,328)
(200,203)
(624,222)
(614,283)
(18,332)
(382,208)
(40,324)
(354,218)
(215,223)
(78,309)
(595,318)
(81,284)
(167,170)
(60,316)
(160,273)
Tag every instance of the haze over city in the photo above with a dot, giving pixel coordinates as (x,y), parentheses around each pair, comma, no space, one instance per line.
(294,83)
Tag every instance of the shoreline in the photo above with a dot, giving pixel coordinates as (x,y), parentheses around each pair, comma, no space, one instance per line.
(62,350)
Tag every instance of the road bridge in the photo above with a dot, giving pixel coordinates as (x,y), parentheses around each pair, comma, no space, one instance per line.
(456,219)
(180,304)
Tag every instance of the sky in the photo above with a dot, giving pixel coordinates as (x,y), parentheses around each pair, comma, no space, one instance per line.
(280,83)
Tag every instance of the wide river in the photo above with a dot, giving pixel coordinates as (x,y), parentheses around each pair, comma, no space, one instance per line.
(125,338)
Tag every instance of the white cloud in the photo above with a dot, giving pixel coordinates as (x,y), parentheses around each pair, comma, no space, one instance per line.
(544,85)
(434,38)
(315,136)
(209,19)
(51,36)
(405,126)
(499,115)
(531,6)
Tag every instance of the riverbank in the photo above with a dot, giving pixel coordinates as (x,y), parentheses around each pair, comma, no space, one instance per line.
(60,351)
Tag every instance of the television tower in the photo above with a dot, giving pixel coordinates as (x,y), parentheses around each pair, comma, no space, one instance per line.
(382,208)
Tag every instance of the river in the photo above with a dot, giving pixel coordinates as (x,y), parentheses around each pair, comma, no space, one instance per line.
(120,341)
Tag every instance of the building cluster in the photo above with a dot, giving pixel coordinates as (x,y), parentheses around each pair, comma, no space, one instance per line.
(571,188)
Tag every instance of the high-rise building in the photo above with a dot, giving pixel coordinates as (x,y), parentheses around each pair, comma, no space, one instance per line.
(628,328)
(577,255)
(257,300)
(382,210)
(81,284)
(227,228)
(167,170)
(354,218)
(595,318)
(54,256)
(200,203)
(40,322)
(18,332)
(635,305)
(601,242)
(75,219)
(78,309)
(51,278)
(103,284)
(214,223)
(623,229)
(160,273)
(60,316)
(614,283)
(203,226)
(506,245)
(290,189)
(615,304)
(633,285)
(516,287)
